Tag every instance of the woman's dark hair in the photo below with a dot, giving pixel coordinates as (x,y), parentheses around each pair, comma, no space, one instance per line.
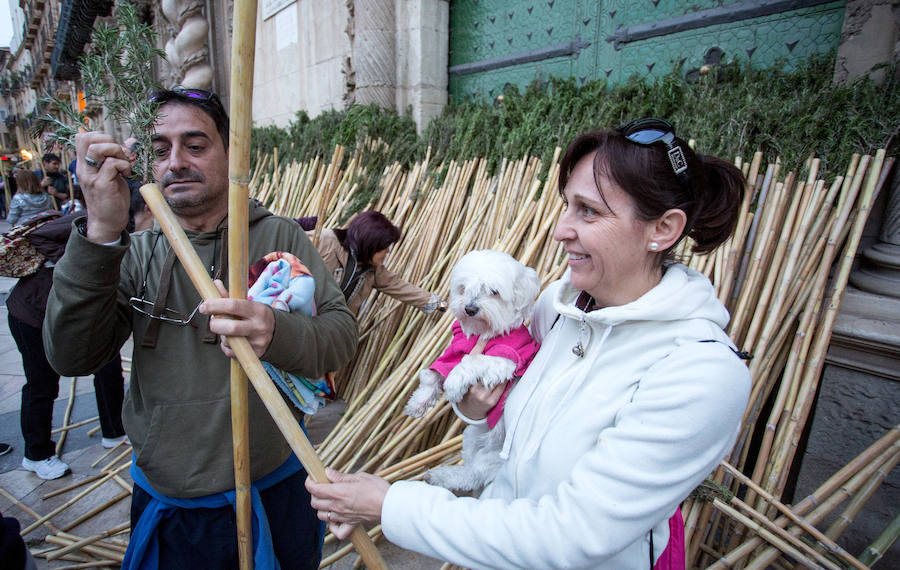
(27,182)
(367,234)
(711,201)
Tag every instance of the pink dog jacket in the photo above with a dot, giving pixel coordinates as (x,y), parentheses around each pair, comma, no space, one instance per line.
(517,345)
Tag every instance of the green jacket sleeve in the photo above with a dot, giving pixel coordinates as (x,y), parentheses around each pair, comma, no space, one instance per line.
(88,317)
(311,346)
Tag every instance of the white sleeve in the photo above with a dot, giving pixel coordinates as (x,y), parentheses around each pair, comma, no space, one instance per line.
(681,421)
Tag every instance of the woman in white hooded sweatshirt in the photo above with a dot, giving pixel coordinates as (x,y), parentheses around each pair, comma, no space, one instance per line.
(633,399)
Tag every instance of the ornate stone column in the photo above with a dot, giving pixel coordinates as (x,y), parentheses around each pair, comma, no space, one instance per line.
(879,271)
(374,56)
(187,49)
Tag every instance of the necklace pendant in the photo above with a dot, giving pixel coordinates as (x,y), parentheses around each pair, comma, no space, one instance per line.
(578,350)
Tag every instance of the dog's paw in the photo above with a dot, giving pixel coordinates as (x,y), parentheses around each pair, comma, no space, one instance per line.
(417,406)
(425,396)
(458,382)
(454,478)
(492,370)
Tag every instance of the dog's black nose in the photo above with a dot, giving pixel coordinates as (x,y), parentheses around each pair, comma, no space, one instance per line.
(471,310)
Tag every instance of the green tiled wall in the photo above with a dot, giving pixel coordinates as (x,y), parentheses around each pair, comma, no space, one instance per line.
(489,31)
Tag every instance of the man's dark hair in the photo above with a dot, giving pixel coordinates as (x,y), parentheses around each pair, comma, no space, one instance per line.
(50,157)
(207,101)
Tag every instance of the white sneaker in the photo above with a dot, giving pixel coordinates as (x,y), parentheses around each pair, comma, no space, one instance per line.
(111,442)
(50,468)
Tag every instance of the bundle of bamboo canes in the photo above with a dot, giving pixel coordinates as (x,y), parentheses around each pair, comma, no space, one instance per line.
(101,549)
(774,275)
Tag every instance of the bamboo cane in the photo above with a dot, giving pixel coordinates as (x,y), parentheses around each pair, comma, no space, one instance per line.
(68,488)
(108,554)
(767,556)
(26,509)
(799,413)
(6,193)
(66,417)
(268,393)
(838,527)
(96,510)
(823,540)
(243,43)
(95,564)
(75,425)
(71,502)
(120,457)
(885,540)
(860,467)
(774,535)
(109,452)
(79,544)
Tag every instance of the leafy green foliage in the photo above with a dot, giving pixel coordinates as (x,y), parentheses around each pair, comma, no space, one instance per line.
(733,111)
(57,131)
(117,73)
(361,128)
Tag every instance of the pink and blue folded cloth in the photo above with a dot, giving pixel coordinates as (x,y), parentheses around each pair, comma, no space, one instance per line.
(281,281)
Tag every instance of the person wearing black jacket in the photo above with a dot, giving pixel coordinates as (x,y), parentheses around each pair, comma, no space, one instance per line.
(26,303)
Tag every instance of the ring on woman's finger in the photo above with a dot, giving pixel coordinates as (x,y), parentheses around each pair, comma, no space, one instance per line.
(328,516)
(91,162)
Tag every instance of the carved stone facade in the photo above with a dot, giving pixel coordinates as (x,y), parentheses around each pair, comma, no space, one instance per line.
(185,30)
(318,55)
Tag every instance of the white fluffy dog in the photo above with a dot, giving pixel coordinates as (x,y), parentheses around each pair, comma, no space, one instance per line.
(491,295)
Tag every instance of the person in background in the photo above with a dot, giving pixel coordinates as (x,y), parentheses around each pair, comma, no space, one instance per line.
(355,256)
(141,216)
(29,201)
(74,205)
(52,179)
(130,148)
(634,397)
(27,303)
(3,199)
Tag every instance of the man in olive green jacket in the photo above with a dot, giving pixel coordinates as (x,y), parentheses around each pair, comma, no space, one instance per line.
(110,285)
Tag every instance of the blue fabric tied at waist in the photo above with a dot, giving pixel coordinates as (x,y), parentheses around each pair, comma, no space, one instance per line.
(143,548)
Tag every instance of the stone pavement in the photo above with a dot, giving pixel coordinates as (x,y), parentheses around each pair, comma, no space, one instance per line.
(25,491)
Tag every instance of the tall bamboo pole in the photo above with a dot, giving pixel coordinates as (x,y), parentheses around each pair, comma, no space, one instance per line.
(265,388)
(243,43)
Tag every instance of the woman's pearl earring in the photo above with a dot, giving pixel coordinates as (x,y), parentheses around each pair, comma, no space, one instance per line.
(654,246)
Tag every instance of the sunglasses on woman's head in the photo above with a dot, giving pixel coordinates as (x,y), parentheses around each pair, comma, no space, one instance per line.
(650,131)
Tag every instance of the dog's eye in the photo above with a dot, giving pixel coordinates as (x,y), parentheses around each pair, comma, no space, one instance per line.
(460,290)
(494,292)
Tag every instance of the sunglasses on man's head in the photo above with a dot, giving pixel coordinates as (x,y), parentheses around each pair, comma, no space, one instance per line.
(650,131)
(200,95)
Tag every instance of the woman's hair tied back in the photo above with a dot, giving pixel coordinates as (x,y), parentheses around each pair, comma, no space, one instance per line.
(637,157)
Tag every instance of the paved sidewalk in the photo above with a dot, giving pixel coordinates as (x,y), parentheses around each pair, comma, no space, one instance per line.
(82,452)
